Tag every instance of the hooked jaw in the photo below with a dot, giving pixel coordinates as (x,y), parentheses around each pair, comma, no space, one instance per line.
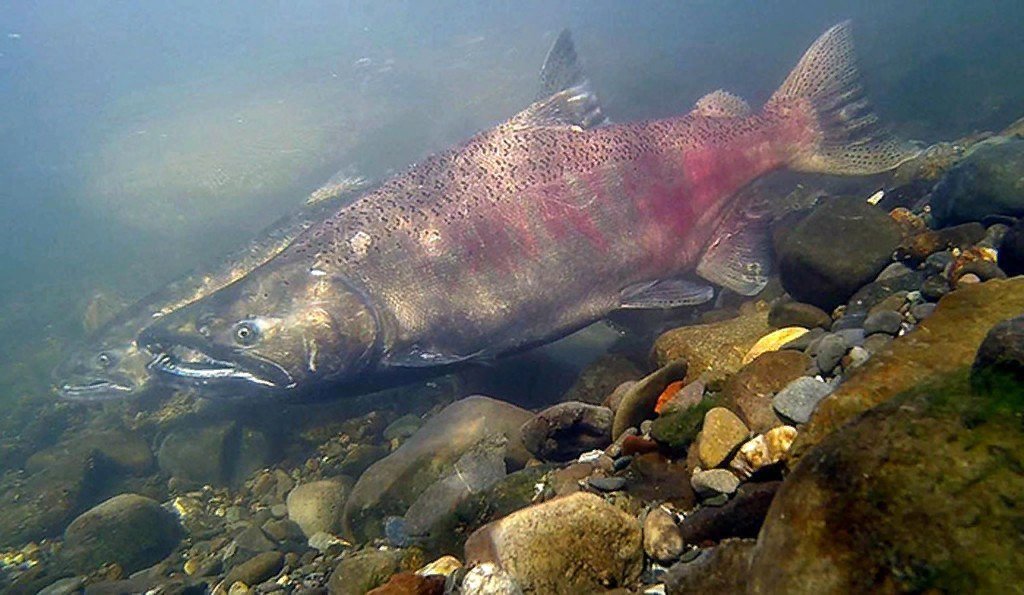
(208,366)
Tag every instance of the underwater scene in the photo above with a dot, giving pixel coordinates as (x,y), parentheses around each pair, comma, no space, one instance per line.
(507,298)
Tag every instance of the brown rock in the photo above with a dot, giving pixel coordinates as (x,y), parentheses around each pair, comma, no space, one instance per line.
(741,516)
(654,478)
(639,400)
(919,246)
(574,544)
(789,313)
(749,392)
(662,539)
(723,433)
(717,348)
(943,343)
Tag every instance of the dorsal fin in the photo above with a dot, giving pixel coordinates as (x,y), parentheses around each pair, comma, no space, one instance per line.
(562,76)
(722,104)
(575,106)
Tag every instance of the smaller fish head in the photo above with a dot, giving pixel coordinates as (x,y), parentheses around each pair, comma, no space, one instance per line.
(274,331)
(104,370)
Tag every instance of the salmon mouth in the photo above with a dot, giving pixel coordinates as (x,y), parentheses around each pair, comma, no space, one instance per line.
(203,367)
(97,390)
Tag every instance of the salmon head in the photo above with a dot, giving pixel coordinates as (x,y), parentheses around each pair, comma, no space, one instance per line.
(271,331)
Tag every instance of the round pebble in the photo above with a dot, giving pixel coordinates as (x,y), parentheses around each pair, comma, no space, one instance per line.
(934,287)
(922,311)
(829,350)
(799,398)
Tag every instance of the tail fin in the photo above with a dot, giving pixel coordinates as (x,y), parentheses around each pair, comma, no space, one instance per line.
(848,138)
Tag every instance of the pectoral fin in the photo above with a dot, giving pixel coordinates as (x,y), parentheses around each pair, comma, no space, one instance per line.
(739,254)
(665,293)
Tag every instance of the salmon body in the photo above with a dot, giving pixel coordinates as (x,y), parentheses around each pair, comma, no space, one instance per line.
(529,231)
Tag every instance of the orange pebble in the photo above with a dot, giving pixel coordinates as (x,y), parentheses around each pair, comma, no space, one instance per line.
(666,395)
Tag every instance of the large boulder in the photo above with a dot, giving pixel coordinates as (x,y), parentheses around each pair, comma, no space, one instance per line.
(131,530)
(392,484)
(919,494)
(574,544)
(839,247)
(989,181)
(944,342)
(564,431)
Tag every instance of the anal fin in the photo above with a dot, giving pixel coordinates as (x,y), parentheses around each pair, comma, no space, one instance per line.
(665,293)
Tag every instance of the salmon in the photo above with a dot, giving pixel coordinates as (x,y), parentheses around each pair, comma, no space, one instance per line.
(530,230)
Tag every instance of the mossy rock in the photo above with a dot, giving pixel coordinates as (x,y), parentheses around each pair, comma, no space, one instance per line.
(919,494)
(678,429)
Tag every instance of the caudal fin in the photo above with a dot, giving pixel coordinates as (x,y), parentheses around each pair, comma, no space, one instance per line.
(847,137)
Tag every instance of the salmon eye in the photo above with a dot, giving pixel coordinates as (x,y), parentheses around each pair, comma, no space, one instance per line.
(246,333)
(104,360)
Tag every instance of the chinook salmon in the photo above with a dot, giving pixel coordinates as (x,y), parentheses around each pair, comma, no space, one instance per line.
(110,364)
(528,231)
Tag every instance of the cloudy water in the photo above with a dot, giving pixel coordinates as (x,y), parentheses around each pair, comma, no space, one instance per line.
(194,322)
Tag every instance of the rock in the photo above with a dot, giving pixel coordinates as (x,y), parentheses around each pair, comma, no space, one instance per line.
(662,540)
(600,378)
(607,484)
(573,544)
(1011,250)
(763,450)
(317,506)
(653,477)
(489,579)
(714,481)
(894,270)
(64,586)
(253,540)
(715,349)
(408,583)
(429,517)
(944,342)
(223,454)
(677,429)
(774,341)
(257,569)
(923,485)
(129,530)
(886,321)
(828,352)
(364,571)
(360,456)
(804,341)
(871,295)
(1000,357)
(749,391)
(403,427)
(935,287)
(393,483)
(922,245)
(988,181)
(840,246)
(721,434)
(784,314)
(443,566)
(799,398)
(741,516)
(639,400)
(566,430)
(921,311)
(284,532)
(721,569)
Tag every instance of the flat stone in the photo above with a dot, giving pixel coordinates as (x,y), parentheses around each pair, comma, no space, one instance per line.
(741,516)
(638,401)
(714,481)
(721,434)
(256,569)
(799,398)
(749,392)
(721,569)
(607,484)
(828,352)
(786,314)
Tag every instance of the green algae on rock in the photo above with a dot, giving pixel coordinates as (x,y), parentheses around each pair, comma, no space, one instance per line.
(919,493)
